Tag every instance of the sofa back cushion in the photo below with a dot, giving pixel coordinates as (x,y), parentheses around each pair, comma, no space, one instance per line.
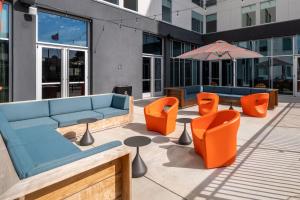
(208,88)
(222,90)
(192,89)
(120,102)
(102,101)
(25,110)
(69,105)
(240,91)
(18,154)
(258,90)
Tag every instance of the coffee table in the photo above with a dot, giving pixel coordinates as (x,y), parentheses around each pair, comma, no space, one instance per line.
(139,167)
(185,138)
(87,138)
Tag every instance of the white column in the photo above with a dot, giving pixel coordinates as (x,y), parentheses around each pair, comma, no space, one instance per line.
(234,72)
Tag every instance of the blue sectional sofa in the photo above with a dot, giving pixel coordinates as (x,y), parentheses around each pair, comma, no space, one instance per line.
(187,95)
(29,130)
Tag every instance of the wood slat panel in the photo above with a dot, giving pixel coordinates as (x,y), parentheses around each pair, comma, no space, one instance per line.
(110,188)
(77,183)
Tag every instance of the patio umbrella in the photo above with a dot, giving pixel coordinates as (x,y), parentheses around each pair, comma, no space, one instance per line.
(220,50)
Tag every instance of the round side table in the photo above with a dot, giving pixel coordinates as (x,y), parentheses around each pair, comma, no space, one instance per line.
(139,167)
(87,138)
(185,138)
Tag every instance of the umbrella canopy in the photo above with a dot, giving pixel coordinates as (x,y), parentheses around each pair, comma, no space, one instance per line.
(219,50)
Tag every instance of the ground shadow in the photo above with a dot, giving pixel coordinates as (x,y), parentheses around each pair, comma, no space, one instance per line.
(182,157)
(160,139)
(70,136)
(140,128)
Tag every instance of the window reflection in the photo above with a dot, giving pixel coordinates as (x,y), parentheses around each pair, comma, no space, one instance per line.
(59,29)
(262,72)
(283,74)
(152,44)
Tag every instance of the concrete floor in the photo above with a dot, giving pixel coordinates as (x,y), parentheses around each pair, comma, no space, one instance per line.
(267,166)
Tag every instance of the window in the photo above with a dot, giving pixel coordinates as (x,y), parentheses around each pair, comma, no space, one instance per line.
(247,45)
(177,50)
(283,46)
(227,73)
(268,12)
(53,28)
(167,10)
(113,1)
(211,23)
(297,45)
(263,47)
(262,72)
(211,3)
(244,73)
(197,22)
(188,73)
(249,15)
(198,2)
(4,54)
(187,47)
(131,4)
(152,44)
(283,74)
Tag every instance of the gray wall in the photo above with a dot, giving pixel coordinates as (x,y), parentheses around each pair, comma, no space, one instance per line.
(115,53)
(23,62)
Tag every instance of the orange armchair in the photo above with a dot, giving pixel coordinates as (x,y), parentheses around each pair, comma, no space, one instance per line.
(215,137)
(255,105)
(160,119)
(207,103)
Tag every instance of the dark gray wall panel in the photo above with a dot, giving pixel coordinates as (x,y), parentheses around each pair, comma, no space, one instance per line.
(24,50)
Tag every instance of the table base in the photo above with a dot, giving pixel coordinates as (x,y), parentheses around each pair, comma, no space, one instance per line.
(87,139)
(139,167)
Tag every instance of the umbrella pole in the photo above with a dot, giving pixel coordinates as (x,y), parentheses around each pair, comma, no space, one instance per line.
(234,71)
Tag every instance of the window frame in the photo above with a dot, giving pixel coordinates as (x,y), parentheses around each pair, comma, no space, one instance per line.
(9,39)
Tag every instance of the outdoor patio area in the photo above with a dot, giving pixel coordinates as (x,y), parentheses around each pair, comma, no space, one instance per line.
(267,166)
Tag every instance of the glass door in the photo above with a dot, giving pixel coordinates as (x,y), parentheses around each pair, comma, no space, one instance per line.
(297,77)
(51,73)
(215,74)
(146,77)
(152,76)
(76,71)
(61,72)
(158,80)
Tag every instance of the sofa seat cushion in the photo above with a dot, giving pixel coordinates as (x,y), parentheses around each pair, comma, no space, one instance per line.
(101,101)
(111,112)
(47,121)
(44,144)
(69,105)
(72,118)
(222,90)
(25,110)
(72,158)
